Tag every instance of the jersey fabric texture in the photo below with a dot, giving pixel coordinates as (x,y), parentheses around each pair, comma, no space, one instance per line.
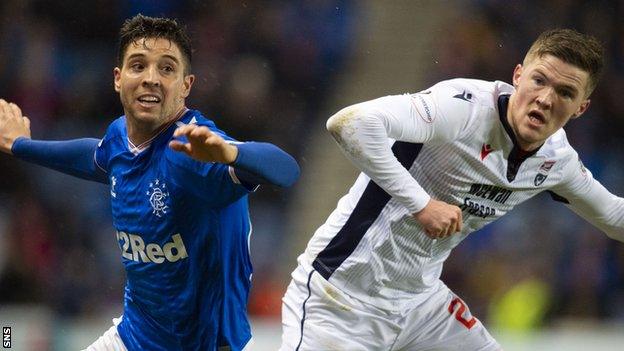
(451,142)
(183,228)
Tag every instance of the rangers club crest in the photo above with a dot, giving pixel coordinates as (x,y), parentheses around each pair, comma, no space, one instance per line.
(158,195)
(542,173)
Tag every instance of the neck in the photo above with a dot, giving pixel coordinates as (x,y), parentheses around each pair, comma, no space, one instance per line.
(140,132)
(522,146)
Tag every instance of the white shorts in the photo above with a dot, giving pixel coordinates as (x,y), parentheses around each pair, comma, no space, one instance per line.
(317,316)
(109,341)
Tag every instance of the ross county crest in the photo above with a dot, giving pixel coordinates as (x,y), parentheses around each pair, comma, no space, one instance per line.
(543,172)
(158,195)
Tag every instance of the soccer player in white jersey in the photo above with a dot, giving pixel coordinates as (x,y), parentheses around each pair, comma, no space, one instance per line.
(436,166)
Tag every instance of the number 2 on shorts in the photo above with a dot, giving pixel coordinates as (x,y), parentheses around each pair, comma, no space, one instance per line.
(468,323)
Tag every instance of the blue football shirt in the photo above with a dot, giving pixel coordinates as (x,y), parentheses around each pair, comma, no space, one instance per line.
(183,228)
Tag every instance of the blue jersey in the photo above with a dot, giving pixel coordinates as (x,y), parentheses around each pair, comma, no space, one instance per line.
(183,228)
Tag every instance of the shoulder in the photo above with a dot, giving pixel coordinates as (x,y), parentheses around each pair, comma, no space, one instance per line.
(558,146)
(116,128)
(196,117)
(182,160)
(115,131)
(473,91)
(462,100)
(111,143)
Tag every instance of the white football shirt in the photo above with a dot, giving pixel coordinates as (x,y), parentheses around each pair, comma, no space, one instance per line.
(451,142)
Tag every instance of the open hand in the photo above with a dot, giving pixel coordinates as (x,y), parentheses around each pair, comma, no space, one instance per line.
(203,145)
(12,125)
(440,219)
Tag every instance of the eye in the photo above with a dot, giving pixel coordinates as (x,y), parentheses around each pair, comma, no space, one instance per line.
(137,66)
(567,94)
(168,68)
(539,80)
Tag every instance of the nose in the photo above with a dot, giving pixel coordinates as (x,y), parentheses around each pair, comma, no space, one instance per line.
(545,98)
(151,77)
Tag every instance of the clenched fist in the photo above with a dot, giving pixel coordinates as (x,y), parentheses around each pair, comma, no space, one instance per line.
(440,219)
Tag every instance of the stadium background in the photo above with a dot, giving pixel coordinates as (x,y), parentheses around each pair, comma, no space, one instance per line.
(540,278)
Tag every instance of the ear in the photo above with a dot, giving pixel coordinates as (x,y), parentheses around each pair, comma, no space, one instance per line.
(517,73)
(117,79)
(188,83)
(584,106)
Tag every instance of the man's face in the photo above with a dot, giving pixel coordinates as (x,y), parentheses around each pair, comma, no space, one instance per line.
(151,82)
(549,92)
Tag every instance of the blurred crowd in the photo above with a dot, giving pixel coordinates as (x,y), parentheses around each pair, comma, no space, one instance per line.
(264,70)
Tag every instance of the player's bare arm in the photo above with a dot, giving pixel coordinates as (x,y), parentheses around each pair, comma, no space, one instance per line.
(203,145)
(12,125)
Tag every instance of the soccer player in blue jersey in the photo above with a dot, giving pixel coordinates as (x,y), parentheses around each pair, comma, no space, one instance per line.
(179,190)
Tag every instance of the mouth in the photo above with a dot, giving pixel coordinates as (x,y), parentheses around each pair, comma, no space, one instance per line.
(149,100)
(537,117)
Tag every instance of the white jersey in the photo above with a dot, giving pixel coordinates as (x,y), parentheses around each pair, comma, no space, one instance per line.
(453,143)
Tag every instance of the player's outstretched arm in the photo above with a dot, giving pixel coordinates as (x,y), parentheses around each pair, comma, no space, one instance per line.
(73,157)
(595,204)
(254,162)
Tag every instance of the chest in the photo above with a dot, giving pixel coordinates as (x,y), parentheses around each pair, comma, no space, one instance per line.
(477,173)
(142,195)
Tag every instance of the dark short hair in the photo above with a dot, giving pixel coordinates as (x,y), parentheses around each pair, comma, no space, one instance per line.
(140,26)
(581,50)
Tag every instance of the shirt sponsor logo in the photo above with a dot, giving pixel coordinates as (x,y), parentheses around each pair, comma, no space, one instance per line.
(133,248)
(477,209)
(490,192)
(425,106)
